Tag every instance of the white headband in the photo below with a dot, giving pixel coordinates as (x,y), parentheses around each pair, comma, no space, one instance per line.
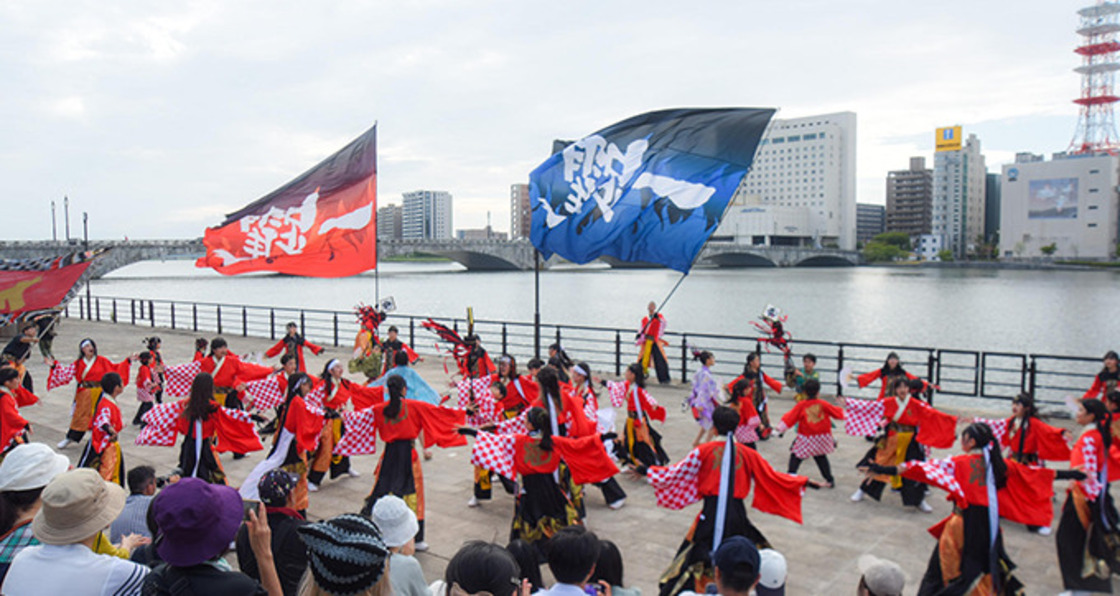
(84,343)
(579,369)
(333,362)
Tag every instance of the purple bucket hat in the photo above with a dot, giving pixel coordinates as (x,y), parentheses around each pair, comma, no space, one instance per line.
(196,520)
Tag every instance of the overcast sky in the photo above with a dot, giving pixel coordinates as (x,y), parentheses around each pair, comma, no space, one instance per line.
(159,117)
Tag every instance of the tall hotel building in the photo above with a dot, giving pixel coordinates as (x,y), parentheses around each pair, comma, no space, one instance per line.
(426,215)
(801,190)
(959,184)
(520,211)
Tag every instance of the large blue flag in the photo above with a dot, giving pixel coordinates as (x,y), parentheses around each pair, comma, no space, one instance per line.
(651,188)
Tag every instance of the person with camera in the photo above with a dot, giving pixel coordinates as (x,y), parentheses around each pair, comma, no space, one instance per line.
(142,487)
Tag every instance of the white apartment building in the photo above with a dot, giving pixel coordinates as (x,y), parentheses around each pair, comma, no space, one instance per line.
(1070,202)
(959,177)
(801,190)
(426,215)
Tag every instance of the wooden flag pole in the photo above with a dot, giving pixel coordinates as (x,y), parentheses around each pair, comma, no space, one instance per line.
(537,302)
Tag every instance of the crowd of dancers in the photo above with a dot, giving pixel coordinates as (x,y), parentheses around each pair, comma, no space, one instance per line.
(547,431)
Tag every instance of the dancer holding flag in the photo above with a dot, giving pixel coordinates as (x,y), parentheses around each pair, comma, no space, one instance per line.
(652,345)
(87,370)
(720,473)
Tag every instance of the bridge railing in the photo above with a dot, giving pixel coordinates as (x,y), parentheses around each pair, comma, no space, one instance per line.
(608,350)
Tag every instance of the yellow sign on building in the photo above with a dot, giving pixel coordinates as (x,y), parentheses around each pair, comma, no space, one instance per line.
(948,138)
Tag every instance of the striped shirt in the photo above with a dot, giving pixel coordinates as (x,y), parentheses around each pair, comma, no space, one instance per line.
(71,569)
(133,519)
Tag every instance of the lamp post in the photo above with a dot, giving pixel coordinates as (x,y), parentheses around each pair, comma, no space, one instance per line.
(85,234)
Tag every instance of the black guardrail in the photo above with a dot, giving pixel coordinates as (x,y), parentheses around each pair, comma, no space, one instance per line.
(608,350)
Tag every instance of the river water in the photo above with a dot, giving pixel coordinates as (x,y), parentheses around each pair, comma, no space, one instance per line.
(1056,312)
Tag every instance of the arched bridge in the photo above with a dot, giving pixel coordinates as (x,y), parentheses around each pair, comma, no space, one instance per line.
(124,252)
(475,255)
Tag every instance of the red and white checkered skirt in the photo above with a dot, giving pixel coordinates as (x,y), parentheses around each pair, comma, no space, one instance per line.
(806,446)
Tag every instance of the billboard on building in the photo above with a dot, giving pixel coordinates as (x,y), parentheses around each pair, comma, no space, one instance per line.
(1053,198)
(948,138)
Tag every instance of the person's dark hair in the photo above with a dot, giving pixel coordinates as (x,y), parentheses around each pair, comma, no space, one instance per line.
(139,478)
(983,436)
(286,358)
(535,364)
(216,343)
(526,556)
(915,385)
(561,356)
(549,381)
(110,382)
(539,420)
(810,357)
(202,391)
(400,358)
(511,364)
(639,374)
(1113,397)
(291,325)
(812,388)
(1026,400)
(900,382)
(393,329)
(738,390)
(328,380)
(91,342)
(200,344)
(1109,355)
(153,343)
(396,386)
(751,357)
(609,566)
(740,578)
(572,554)
(1102,417)
(500,387)
(556,363)
(702,356)
(145,358)
(483,567)
(8,373)
(887,365)
(13,503)
(725,419)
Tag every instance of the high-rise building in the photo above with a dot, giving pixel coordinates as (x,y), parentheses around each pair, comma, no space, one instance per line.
(520,211)
(910,199)
(870,222)
(1070,203)
(801,190)
(959,176)
(389,222)
(426,215)
(991,208)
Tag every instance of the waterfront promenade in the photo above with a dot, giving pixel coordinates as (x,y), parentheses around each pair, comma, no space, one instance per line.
(821,553)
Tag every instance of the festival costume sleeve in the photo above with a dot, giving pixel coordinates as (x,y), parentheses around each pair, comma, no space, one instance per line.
(776,386)
(495,453)
(999,428)
(677,486)
(180,377)
(274,350)
(655,410)
(1052,443)
(617,391)
(475,393)
(161,424)
(440,424)
(10,421)
(581,424)
(1028,496)
(122,368)
(307,425)
(249,372)
(315,349)
(24,397)
(364,397)
(360,437)
(586,458)
(104,417)
(935,472)
(775,492)
(61,374)
(833,411)
(1084,457)
(235,432)
(412,355)
(514,426)
(791,418)
(862,416)
(731,386)
(267,393)
(868,378)
(935,428)
(1096,390)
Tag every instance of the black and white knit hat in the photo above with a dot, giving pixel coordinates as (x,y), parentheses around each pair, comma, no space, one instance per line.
(346,554)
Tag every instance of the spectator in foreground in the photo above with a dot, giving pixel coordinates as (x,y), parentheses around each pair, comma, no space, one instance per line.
(526,556)
(398,527)
(345,556)
(481,567)
(197,521)
(133,520)
(288,550)
(608,571)
(76,506)
(23,474)
(771,573)
(572,555)
(737,564)
(880,577)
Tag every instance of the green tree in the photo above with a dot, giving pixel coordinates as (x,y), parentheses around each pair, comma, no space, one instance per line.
(880,252)
(1049,249)
(899,239)
(945,255)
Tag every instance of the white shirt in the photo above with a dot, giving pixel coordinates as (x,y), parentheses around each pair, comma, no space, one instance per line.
(71,569)
(562,590)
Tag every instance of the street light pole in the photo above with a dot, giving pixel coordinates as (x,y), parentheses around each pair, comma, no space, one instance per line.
(66,215)
(54,223)
(85,234)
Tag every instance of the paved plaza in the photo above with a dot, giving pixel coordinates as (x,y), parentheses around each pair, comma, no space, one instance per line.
(822,552)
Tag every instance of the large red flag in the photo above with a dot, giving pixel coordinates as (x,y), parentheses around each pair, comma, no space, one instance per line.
(322,224)
(33,286)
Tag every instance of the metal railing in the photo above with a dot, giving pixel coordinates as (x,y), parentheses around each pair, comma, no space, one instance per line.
(608,350)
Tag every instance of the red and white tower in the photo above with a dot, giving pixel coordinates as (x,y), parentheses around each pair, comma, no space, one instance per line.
(1096,128)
